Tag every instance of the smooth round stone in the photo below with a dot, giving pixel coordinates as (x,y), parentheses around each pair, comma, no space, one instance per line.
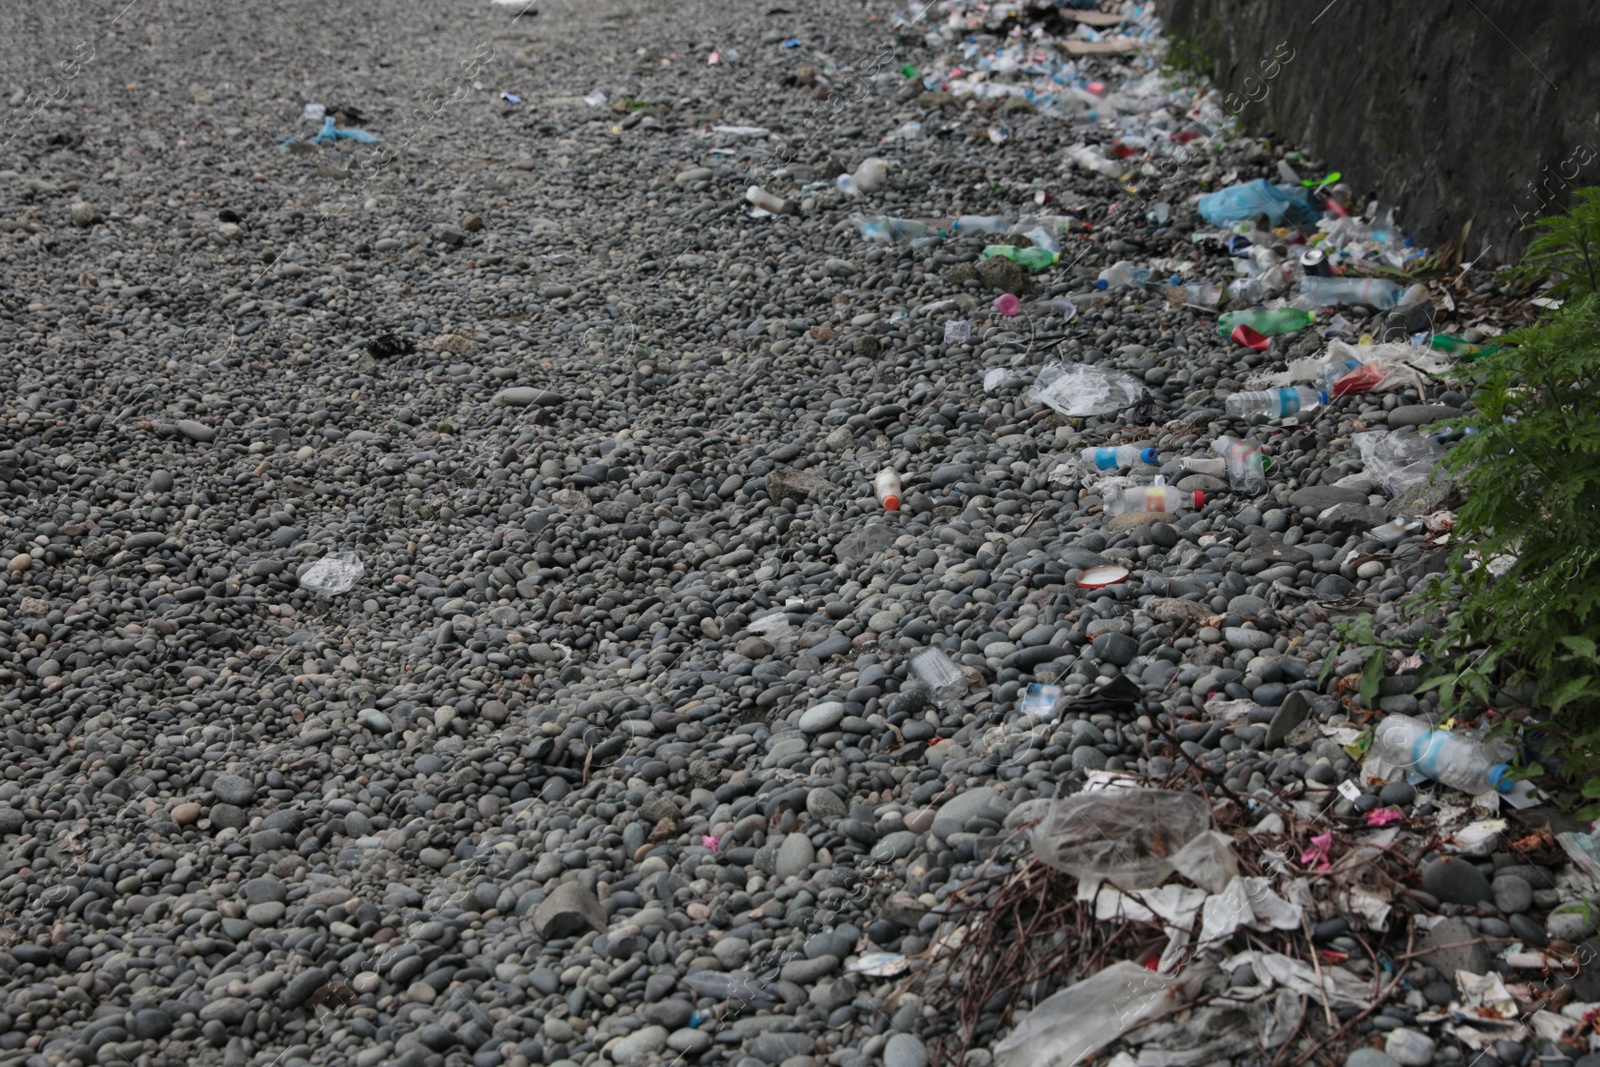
(904,1050)
(1512,895)
(1455,881)
(795,856)
(822,717)
(232,789)
(1397,793)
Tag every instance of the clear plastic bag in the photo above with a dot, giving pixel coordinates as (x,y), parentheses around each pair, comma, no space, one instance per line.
(1281,205)
(1125,836)
(1398,460)
(1079,389)
(1083,1018)
(334,575)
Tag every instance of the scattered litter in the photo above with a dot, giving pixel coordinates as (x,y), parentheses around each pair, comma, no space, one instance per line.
(742,131)
(511,98)
(1318,852)
(1085,1017)
(1100,577)
(331,133)
(934,670)
(995,377)
(389,346)
(313,113)
(596,98)
(958,331)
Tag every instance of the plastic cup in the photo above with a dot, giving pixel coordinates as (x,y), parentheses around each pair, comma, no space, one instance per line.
(1007,304)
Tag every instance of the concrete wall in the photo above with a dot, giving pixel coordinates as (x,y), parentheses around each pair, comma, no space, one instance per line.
(1451,109)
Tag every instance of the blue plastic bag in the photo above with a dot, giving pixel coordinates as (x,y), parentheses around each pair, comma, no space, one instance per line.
(329,134)
(1283,205)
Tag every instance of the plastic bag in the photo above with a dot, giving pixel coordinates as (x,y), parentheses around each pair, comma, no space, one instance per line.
(1398,460)
(1127,837)
(1080,389)
(1282,205)
(334,575)
(1084,1018)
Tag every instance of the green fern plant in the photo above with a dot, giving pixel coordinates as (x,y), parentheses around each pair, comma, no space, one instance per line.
(1566,252)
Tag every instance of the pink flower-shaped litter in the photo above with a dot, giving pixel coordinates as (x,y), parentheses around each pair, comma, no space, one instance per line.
(1316,857)
(1383,816)
(709,841)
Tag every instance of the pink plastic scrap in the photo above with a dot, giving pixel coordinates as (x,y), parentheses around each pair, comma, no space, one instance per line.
(709,841)
(1383,816)
(1316,857)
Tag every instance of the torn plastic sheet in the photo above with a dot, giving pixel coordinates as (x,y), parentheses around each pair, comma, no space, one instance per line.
(1085,1017)
(1230,712)
(331,133)
(1220,1032)
(1273,969)
(1208,861)
(1077,390)
(1248,902)
(1583,850)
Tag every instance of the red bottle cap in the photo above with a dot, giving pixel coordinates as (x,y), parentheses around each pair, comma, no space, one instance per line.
(1199,500)
(891,503)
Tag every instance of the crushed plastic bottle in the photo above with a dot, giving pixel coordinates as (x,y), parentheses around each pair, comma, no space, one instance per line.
(1045,239)
(1246,471)
(1379,293)
(333,575)
(1267,323)
(1116,458)
(1398,459)
(943,678)
(1031,258)
(1460,762)
(1274,403)
(1460,348)
(1122,275)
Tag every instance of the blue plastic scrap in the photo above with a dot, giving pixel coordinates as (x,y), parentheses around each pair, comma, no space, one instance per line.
(793,42)
(329,134)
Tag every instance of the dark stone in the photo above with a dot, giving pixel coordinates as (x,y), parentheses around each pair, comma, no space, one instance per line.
(1455,881)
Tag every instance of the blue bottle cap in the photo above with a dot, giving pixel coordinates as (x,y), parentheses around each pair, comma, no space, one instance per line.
(1148,455)
(1322,396)
(1100,283)
(1499,778)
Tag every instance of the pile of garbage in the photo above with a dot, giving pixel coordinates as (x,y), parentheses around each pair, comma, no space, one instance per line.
(1189,924)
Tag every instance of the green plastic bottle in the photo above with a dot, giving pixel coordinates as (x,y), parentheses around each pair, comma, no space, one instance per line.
(1032,258)
(1455,346)
(1264,322)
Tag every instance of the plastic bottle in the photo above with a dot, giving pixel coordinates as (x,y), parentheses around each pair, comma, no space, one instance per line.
(1246,472)
(886,486)
(1146,498)
(1276,321)
(1118,458)
(1455,346)
(767,202)
(1334,371)
(1200,294)
(1376,292)
(979,224)
(885,229)
(1457,761)
(1091,160)
(1210,465)
(1122,275)
(934,670)
(1275,403)
(1247,290)
(1031,258)
(1043,238)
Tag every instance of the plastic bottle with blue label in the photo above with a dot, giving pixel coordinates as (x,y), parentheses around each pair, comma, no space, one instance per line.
(1455,760)
(1118,458)
(1275,403)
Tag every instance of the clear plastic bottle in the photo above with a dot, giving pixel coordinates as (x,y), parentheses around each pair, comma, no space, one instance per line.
(1043,238)
(1090,160)
(1122,275)
(1375,292)
(884,229)
(886,486)
(768,202)
(1147,498)
(1246,472)
(979,224)
(1334,371)
(1210,465)
(1459,762)
(933,669)
(1118,458)
(1275,403)
(1199,294)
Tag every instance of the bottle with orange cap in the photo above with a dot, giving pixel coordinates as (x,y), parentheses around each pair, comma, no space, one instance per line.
(887,487)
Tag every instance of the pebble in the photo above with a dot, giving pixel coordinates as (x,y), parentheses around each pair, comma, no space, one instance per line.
(1455,881)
